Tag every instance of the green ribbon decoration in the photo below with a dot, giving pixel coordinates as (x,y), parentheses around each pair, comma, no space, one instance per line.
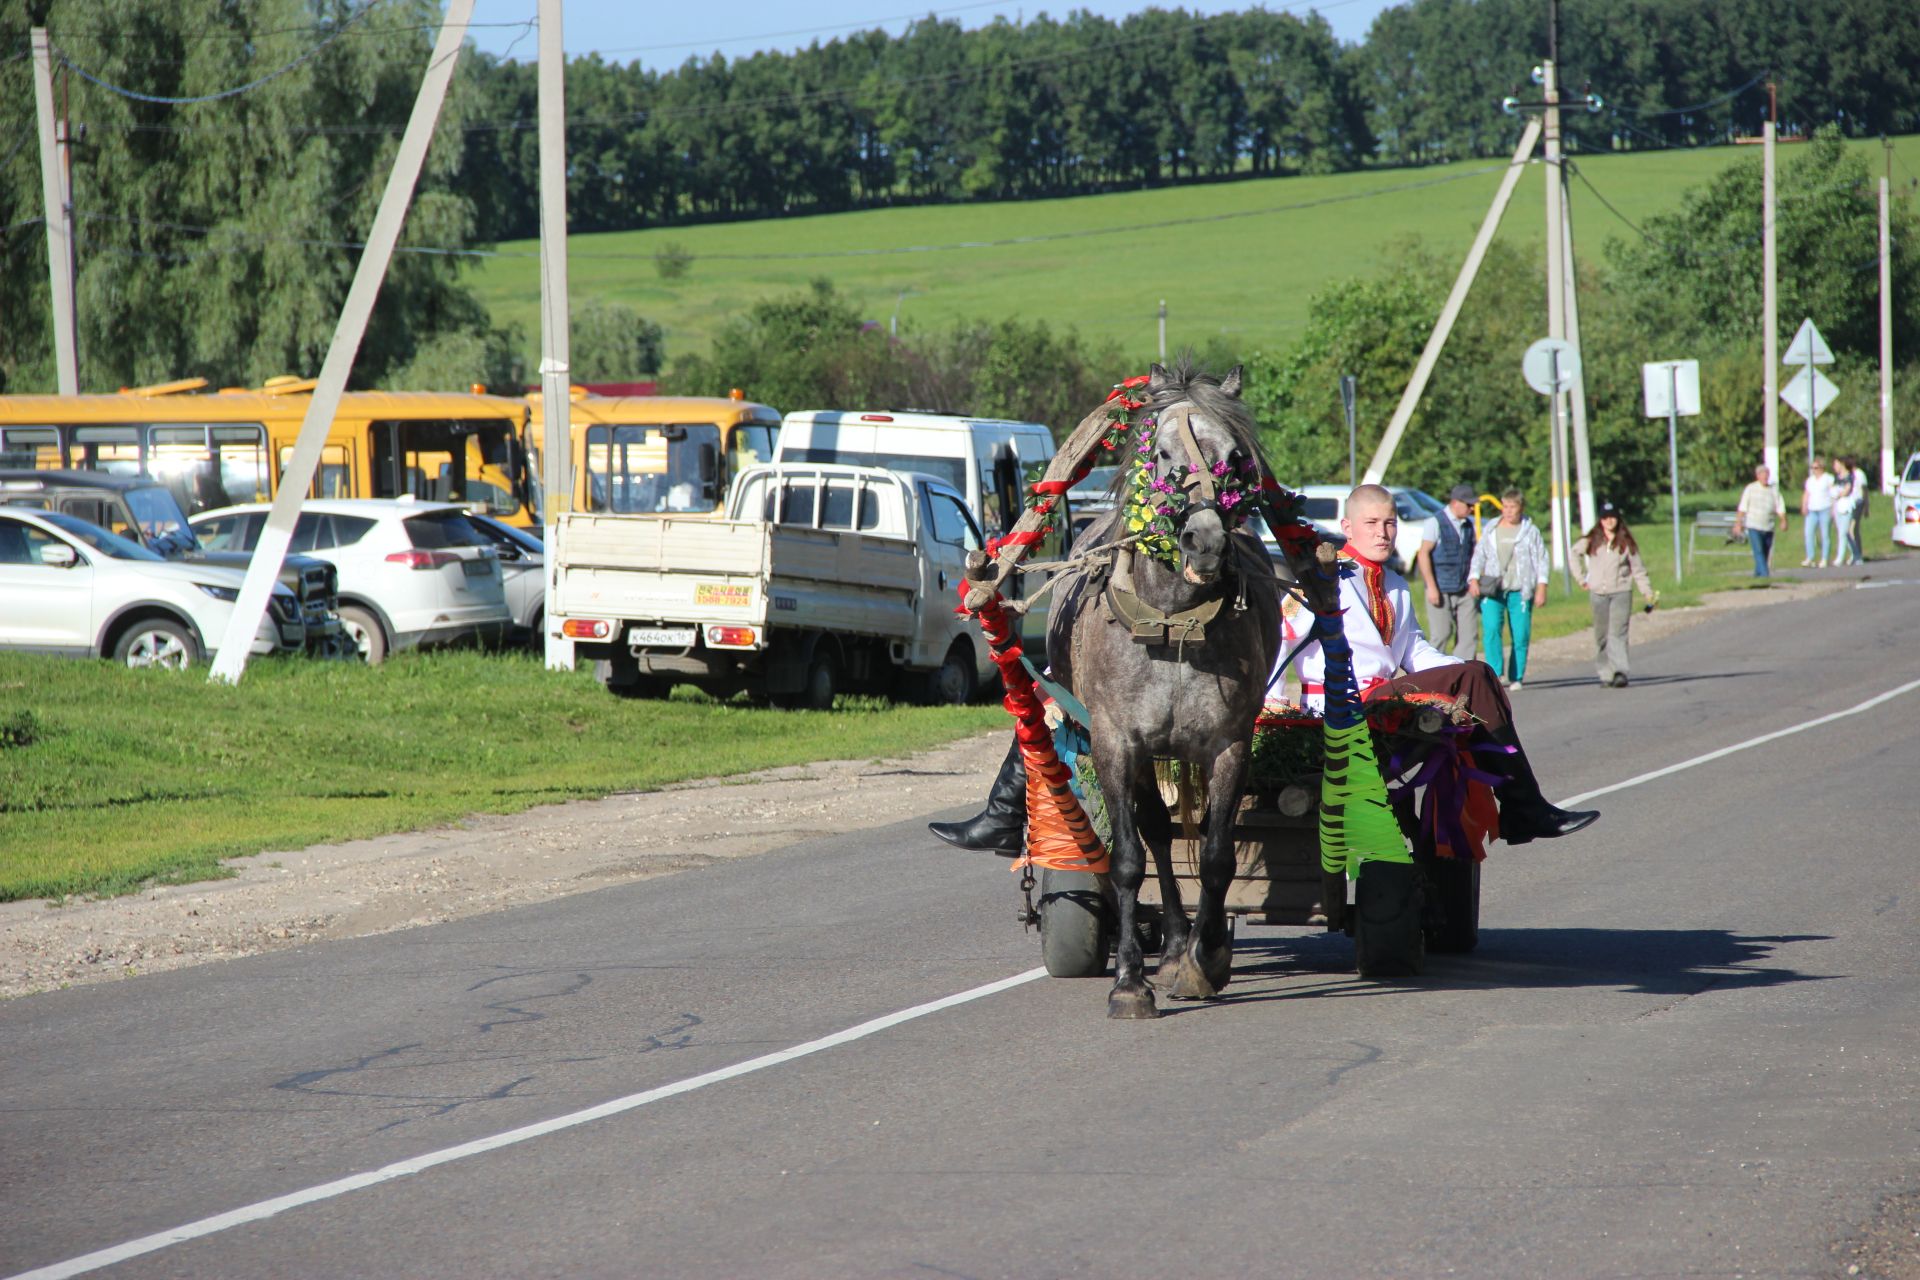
(1357,825)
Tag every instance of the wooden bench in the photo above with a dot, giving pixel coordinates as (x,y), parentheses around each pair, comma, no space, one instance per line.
(1716,524)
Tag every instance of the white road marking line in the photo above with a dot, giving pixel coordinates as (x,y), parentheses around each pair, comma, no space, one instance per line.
(1748,745)
(526,1133)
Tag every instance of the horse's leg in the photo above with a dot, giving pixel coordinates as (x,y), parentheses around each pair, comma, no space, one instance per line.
(1207,963)
(1155,825)
(1130,997)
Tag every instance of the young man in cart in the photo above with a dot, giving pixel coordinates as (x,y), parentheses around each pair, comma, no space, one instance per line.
(1389,654)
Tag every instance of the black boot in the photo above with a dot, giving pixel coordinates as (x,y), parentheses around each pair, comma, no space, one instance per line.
(1001,826)
(1525,814)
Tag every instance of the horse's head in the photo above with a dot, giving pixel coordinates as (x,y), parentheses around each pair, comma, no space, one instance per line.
(1202,460)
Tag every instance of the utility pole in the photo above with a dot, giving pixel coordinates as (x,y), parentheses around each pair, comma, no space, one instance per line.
(556,379)
(1886,327)
(1582,456)
(1556,278)
(56,197)
(297,476)
(1770,301)
(1163,331)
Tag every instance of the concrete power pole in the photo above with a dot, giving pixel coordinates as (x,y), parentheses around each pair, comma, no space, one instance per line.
(297,476)
(57,199)
(1770,305)
(1163,331)
(1886,330)
(556,379)
(1582,455)
(1556,287)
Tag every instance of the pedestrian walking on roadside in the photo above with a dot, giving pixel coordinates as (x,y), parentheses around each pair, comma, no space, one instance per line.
(1452,612)
(1608,564)
(1862,493)
(1816,504)
(1760,515)
(1845,499)
(1509,577)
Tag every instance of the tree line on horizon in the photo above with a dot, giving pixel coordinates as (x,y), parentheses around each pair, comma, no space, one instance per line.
(1052,107)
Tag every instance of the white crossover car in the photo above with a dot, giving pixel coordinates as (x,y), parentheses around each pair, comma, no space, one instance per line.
(72,587)
(1906,505)
(411,573)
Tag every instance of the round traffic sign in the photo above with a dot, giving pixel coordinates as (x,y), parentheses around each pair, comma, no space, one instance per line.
(1551,365)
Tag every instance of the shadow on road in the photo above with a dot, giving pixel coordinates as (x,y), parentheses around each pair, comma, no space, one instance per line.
(1679,962)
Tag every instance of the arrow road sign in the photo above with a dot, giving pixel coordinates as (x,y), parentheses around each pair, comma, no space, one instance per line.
(1545,359)
(1807,347)
(1808,393)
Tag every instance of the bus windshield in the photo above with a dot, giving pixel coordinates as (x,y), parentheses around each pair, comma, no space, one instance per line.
(641,470)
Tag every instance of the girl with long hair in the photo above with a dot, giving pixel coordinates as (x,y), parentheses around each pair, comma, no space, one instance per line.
(1609,567)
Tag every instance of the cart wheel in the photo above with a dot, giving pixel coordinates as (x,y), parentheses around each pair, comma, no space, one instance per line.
(1076,930)
(1453,902)
(1389,939)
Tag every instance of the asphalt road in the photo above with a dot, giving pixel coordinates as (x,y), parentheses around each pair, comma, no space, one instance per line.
(1686,1046)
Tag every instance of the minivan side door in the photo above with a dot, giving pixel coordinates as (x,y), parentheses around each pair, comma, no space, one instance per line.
(947,533)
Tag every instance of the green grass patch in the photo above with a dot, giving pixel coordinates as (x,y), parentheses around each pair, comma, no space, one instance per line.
(112,779)
(1242,265)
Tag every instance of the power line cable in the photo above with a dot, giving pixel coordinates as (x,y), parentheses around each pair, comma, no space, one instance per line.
(1728,96)
(110,33)
(271,76)
(806,31)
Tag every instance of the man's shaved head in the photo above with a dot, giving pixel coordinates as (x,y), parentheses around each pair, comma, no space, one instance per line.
(1369,495)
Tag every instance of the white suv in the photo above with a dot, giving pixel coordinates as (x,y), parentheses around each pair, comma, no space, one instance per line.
(411,573)
(73,588)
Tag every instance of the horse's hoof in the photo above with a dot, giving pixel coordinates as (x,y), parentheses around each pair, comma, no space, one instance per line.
(1190,982)
(1132,1004)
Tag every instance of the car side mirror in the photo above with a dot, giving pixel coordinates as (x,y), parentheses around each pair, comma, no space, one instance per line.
(58,555)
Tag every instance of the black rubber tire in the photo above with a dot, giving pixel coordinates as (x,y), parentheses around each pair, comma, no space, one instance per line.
(955,683)
(1453,905)
(1076,924)
(157,642)
(371,642)
(633,685)
(816,693)
(1389,932)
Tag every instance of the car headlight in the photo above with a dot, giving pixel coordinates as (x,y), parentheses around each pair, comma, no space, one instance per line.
(228,594)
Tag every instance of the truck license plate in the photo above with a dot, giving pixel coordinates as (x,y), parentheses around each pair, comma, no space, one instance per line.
(661,637)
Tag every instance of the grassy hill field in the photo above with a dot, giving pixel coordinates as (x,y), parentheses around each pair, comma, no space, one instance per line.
(1241,259)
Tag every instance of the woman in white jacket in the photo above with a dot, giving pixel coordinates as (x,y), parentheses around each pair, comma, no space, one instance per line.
(1509,577)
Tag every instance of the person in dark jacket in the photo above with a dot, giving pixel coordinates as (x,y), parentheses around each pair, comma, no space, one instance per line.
(1453,615)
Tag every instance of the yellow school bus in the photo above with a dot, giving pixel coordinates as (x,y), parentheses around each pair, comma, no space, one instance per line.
(217,448)
(645,455)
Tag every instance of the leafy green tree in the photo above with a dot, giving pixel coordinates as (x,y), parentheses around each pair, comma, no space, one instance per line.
(611,342)
(206,231)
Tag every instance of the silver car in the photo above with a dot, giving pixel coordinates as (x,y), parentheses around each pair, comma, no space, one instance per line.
(523,571)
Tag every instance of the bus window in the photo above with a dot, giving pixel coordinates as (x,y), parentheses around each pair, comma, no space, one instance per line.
(114,450)
(35,448)
(448,460)
(333,478)
(209,466)
(638,470)
(749,443)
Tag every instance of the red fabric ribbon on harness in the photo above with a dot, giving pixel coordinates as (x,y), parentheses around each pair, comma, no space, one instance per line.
(1059,835)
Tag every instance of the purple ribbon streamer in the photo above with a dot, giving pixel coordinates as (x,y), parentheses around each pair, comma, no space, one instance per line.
(1445,775)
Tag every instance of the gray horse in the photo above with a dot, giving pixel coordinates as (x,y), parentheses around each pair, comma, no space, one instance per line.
(1172,662)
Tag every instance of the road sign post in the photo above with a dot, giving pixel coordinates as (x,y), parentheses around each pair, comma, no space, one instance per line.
(1672,390)
(1808,392)
(1348,394)
(1550,367)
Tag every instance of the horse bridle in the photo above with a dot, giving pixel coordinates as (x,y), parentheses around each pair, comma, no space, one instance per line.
(1201,491)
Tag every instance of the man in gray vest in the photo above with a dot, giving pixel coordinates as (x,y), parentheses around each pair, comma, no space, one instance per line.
(1452,614)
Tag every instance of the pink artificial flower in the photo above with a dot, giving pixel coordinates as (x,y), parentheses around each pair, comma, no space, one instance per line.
(1229,500)
(1219,468)
(1165,511)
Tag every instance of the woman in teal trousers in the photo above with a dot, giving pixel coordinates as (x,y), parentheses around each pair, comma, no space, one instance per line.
(1509,576)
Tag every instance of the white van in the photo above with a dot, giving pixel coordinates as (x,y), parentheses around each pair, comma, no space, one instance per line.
(990,460)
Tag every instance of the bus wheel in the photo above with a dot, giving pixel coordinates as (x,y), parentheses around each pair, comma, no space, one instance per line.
(364,629)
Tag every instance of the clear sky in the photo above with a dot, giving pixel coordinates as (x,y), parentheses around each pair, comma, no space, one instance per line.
(665,35)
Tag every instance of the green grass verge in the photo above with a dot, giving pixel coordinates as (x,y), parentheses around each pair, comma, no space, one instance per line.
(111,779)
(1233,270)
